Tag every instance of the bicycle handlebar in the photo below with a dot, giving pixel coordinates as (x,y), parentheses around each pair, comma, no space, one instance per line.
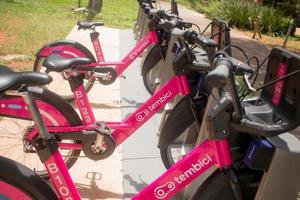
(193,37)
(159,13)
(220,74)
(218,77)
(209,45)
(168,25)
(146,1)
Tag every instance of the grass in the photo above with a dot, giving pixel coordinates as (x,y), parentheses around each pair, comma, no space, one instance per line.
(28,24)
(119,13)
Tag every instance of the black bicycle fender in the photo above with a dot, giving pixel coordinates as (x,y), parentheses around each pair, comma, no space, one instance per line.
(155,54)
(183,113)
(54,99)
(216,187)
(17,172)
(68,42)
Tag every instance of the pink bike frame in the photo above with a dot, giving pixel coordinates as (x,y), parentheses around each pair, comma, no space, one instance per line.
(121,130)
(194,164)
(120,66)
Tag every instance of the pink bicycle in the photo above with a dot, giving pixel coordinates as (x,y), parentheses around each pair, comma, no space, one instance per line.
(68,49)
(97,139)
(243,152)
(212,152)
(237,163)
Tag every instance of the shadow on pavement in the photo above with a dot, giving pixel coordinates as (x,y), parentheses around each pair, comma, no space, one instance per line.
(138,185)
(103,106)
(93,192)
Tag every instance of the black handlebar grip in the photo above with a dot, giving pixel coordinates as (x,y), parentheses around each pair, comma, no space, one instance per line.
(168,25)
(203,41)
(187,24)
(152,12)
(218,77)
(241,66)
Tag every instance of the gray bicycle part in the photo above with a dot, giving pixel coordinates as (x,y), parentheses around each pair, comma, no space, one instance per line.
(93,153)
(137,22)
(141,26)
(282,180)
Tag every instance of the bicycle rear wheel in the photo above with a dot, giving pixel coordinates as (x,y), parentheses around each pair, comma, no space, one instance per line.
(19,182)
(60,84)
(13,128)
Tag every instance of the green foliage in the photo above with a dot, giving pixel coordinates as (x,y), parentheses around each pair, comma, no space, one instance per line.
(273,22)
(242,14)
(119,13)
(237,13)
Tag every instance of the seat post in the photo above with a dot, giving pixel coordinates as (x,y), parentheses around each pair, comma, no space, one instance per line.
(35,114)
(94,35)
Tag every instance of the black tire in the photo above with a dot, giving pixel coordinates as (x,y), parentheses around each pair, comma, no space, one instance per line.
(151,67)
(167,154)
(13,129)
(60,81)
(216,187)
(185,128)
(151,78)
(19,182)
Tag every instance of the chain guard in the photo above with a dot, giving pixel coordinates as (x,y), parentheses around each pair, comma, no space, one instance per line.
(111,76)
(91,153)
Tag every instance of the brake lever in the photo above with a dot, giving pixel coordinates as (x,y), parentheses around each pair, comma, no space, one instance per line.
(187,25)
(200,65)
(240,66)
(247,81)
(190,55)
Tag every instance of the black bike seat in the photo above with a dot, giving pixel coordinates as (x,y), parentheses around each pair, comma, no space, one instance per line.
(57,63)
(14,80)
(5,70)
(87,25)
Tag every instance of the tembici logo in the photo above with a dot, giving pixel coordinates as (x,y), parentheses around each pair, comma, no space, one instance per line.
(162,191)
(140,116)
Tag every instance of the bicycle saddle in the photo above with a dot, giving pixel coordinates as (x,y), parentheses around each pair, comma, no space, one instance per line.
(87,25)
(13,80)
(5,70)
(57,63)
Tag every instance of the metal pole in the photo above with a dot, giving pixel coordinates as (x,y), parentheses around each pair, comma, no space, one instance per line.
(174,7)
(287,35)
(137,22)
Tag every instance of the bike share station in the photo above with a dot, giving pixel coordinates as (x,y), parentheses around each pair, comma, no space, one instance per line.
(243,151)
(279,102)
